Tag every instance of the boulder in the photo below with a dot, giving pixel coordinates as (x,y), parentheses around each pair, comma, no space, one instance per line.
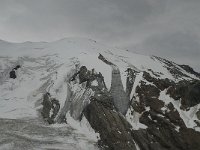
(13,74)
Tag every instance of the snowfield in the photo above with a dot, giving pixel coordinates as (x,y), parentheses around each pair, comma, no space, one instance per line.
(45,66)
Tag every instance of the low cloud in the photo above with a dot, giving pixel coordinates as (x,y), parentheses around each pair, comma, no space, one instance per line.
(157,27)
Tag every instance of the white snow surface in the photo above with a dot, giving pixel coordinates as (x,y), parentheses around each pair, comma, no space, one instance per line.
(45,66)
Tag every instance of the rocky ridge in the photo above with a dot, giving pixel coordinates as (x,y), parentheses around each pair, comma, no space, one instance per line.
(165,129)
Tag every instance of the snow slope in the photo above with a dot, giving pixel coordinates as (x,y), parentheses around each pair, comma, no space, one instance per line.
(46,65)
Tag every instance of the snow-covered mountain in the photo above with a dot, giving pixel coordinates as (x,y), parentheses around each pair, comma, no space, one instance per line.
(109,98)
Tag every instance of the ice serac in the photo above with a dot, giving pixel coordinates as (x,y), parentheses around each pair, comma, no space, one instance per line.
(61,118)
(78,96)
(120,97)
(89,98)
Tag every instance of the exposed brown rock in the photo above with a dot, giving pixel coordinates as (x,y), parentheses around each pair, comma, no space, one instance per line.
(160,83)
(173,68)
(198,114)
(162,134)
(114,130)
(166,129)
(147,90)
(49,104)
(101,57)
(190,70)
(187,91)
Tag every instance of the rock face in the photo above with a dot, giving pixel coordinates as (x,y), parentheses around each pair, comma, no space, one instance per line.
(190,70)
(131,75)
(160,83)
(187,91)
(173,68)
(166,138)
(50,108)
(13,74)
(17,67)
(105,110)
(114,130)
(102,114)
(166,129)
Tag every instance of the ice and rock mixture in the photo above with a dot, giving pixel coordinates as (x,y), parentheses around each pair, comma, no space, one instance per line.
(79,94)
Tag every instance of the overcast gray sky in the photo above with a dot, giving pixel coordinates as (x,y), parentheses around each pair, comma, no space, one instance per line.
(167,28)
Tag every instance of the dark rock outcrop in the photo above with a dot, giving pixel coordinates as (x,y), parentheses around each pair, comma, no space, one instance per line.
(166,138)
(190,70)
(160,83)
(50,108)
(13,74)
(85,75)
(101,113)
(17,67)
(156,74)
(173,68)
(187,91)
(166,129)
(131,75)
(114,130)
(162,133)
(105,111)
(146,141)
(101,57)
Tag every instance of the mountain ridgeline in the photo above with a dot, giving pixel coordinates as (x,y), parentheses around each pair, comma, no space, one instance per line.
(131,101)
